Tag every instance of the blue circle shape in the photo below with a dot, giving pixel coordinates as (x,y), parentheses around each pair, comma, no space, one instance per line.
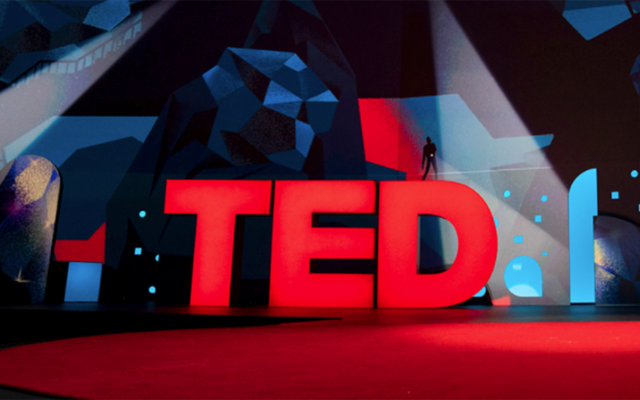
(506,193)
(523,277)
(142,214)
(634,174)
(544,198)
(152,289)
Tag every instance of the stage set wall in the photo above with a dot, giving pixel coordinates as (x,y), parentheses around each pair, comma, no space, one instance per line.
(533,105)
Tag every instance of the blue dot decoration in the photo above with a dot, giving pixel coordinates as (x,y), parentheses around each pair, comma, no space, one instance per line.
(481,293)
(152,289)
(545,254)
(518,239)
(523,277)
(157,257)
(615,195)
(137,251)
(495,220)
(506,193)
(634,174)
(537,218)
(142,214)
(544,198)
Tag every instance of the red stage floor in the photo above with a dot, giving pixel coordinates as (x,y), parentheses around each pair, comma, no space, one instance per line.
(450,353)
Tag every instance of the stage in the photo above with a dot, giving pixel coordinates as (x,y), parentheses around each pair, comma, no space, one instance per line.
(150,351)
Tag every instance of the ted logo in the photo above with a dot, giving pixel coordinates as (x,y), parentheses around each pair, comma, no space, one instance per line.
(295,242)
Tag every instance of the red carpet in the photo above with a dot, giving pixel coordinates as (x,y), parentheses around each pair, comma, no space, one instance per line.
(329,360)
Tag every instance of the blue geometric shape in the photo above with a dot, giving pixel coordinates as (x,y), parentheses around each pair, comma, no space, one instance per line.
(21,63)
(266,61)
(137,251)
(152,289)
(481,293)
(292,80)
(282,100)
(518,239)
(495,221)
(591,18)
(20,18)
(324,97)
(321,110)
(107,14)
(523,277)
(157,258)
(507,193)
(583,206)
(277,94)
(544,198)
(48,16)
(59,137)
(615,195)
(545,254)
(458,128)
(304,137)
(311,86)
(221,83)
(264,111)
(537,218)
(295,63)
(92,173)
(142,214)
(291,159)
(83,282)
(634,173)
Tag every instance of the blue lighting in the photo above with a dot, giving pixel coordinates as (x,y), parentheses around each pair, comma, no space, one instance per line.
(634,174)
(507,193)
(544,198)
(157,257)
(152,289)
(83,281)
(142,214)
(523,277)
(481,292)
(583,206)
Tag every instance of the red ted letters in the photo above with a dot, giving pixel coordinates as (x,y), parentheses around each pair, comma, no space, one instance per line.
(295,242)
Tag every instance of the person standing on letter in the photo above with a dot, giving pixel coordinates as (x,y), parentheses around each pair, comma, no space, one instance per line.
(429,155)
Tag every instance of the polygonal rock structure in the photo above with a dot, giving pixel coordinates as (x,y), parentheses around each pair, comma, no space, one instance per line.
(284,105)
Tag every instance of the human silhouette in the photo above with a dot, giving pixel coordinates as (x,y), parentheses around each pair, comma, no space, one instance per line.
(429,155)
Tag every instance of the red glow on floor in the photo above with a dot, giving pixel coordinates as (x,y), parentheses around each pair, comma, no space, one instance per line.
(586,360)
